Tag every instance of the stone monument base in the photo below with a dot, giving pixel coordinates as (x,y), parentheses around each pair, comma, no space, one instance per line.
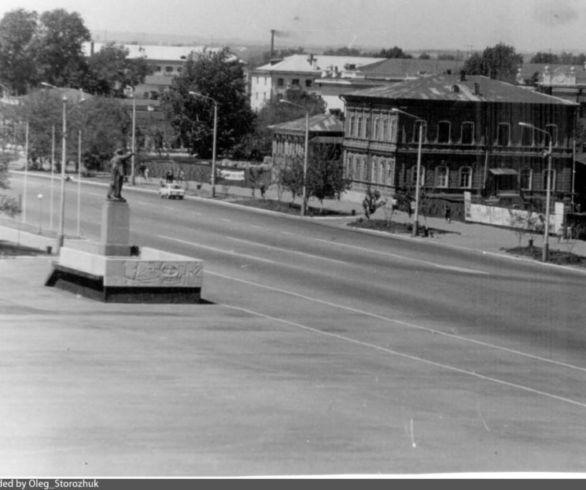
(113,271)
(152,276)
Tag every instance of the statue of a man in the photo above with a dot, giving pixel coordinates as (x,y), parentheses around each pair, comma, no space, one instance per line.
(118,169)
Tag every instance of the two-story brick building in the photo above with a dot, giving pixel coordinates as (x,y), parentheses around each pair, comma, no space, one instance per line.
(472,140)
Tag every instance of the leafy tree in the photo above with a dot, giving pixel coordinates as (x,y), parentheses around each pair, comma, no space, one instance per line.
(17,67)
(57,48)
(105,125)
(325,173)
(545,58)
(345,51)
(290,177)
(500,62)
(424,56)
(571,59)
(8,204)
(216,77)
(110,71)
(394,52)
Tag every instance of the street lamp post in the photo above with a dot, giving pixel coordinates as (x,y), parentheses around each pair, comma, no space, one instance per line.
(215,138)
(305,156)
(133,159)
(25,184)
(545,252)
(79,182)
(40,199)
(52,176)
(61,232)
(415,230)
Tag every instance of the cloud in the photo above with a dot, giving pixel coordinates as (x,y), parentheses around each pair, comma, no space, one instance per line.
(556,12)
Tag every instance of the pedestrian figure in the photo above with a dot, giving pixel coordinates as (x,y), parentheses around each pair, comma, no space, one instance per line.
(146,175)
(169,177)
(263,190)
(181,175)
(118,170)
(448,214)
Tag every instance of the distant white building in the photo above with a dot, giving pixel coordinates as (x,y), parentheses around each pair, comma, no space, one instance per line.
(167,62)
(300,71)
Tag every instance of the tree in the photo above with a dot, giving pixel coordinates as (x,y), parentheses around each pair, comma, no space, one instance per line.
(325,173)
(545,58)
(500,62)
(424,56)
(345,51)
(215,76)
(110,71)
(394,52)
(8,204)
(17,67)
(105,125)
(57,48)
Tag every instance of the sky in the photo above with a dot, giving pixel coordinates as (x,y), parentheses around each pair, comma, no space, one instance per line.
(527,25)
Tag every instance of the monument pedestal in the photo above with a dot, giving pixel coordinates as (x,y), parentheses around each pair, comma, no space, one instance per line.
(113,271)
(115,236)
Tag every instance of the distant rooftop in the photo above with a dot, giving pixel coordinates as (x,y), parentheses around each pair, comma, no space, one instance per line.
(399,68)
(453,88)
(307,63)
(321,123)
(154,52)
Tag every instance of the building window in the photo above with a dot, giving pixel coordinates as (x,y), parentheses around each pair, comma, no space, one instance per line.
(413,177)
(375,127)
(553,180)
(466,177)
(504,134)
(169,69)
(468,133)
(441,176)
(308,83)
(158,68)
(280,82)
(386,135)
(443,132)
(527,136)
(526,176)
(365,128)
(359,127)
(419,124)
(392,127)
(552,129)
(295,82)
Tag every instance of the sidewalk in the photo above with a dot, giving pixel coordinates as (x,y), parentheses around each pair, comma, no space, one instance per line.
(470,236)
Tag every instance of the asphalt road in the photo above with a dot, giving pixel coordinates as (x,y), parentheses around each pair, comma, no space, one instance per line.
(347,353)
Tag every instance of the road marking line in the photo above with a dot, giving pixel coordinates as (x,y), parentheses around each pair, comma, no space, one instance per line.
(412,357)
(296,252)
(215,249)
(403,323)
(409,259)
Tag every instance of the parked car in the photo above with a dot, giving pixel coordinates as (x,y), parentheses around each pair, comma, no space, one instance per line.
(171,191)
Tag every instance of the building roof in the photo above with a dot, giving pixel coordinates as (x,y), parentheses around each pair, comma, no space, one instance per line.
(322,123)
(452,88)
(155,52)
(304,63)
(399,68)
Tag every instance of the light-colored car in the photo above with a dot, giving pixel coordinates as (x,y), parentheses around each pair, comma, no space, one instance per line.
(171,191)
